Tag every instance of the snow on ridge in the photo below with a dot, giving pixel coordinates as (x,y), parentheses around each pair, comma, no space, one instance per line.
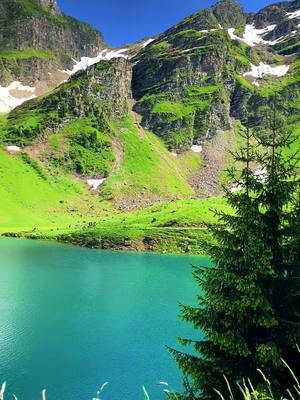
(259,71)
(148,42)
(9,98)
(293,14)
(86,62)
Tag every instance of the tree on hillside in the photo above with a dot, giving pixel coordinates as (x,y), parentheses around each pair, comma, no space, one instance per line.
(246,311)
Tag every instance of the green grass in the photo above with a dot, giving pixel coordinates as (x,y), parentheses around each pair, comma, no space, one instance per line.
(242,82)
(191,162)
(175,227)
(24,54)
(29,200)
(188,34)
(146,168)
(40,204)
(80,147)
(291,49)
(242,61)
(200,97)
(157,48)
(177,110)
(43,195)
(294,148)
(202,90)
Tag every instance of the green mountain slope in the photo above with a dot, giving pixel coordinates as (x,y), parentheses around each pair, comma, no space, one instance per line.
(191,80)
(86,128)
(32,199)
(154,126)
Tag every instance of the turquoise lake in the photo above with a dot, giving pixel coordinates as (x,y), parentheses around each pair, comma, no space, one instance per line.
(72,319)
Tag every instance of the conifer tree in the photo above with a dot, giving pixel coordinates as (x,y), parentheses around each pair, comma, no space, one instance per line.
(244,311)
(281,219)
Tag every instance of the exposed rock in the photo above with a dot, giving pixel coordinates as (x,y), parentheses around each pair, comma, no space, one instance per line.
(269,15)
(37,39)
(103,90)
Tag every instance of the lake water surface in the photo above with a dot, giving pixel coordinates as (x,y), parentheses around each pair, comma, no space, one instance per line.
(72,319)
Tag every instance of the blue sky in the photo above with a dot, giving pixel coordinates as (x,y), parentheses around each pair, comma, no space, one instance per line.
(126,21)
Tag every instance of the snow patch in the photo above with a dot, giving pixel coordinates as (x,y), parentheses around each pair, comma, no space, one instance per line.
(253,36)
(13,149)
(294,14)
(95,183)
(232,35)
(212,30)
(9,98)
(208,30)
(196,148)
(86,62)
(264,69)
(148,42)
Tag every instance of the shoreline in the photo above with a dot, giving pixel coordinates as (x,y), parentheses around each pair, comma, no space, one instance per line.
(178,245)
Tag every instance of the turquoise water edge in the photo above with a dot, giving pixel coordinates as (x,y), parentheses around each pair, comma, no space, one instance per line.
(73,318)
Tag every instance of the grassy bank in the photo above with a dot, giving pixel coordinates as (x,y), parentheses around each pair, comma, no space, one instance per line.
(31,199)
(173,227)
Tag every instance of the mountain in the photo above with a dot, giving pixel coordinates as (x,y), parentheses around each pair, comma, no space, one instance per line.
(150,122)
(37,44)
(191,80)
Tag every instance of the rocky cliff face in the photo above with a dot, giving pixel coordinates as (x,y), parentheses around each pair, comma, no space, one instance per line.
(181,81)
(39,24)
(192,79)
(37,43)
(103,92)
(51,5)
